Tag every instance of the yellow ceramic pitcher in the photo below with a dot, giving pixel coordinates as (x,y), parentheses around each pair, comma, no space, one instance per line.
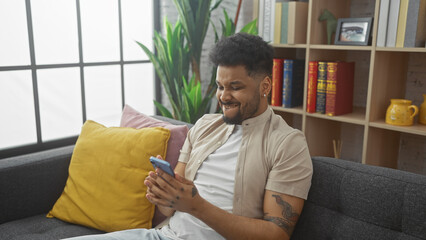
(401,113)
(422,116)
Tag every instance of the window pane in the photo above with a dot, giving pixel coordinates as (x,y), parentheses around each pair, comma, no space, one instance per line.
(17,119)
(137,26)
(55,31)
(99,23)
(14,48)
(60,102)
(103,94)
(139,87)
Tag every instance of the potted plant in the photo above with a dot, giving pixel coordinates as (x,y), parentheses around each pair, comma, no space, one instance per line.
(180,51)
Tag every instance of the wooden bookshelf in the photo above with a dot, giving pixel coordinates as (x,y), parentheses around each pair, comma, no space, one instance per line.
(381,73)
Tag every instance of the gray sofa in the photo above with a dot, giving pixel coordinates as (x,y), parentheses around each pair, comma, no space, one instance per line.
(347,200)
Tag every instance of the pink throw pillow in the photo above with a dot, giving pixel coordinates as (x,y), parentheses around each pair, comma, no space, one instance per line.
(134,119)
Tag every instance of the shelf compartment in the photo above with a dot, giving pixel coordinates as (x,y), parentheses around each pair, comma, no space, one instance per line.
(341,53)
(362,61)
(293,120)
(318,29)
(320,134)
(396,149)
(356,117)
(399,75)
(290,53)
(382,148)
(340,9)
(412,155)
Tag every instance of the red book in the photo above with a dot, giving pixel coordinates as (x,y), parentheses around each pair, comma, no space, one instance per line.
(277,82)
(340,88)
(311,99)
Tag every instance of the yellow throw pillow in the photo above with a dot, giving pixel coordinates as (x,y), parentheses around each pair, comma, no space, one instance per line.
(105,189)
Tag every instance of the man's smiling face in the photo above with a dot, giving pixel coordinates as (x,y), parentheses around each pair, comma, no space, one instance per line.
(238,94)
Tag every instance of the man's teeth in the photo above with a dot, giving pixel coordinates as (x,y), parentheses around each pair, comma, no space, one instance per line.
(227,106)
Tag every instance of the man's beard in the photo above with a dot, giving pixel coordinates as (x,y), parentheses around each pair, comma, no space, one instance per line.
(239,118)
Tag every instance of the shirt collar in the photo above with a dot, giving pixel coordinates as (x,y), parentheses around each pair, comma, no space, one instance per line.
(262,118)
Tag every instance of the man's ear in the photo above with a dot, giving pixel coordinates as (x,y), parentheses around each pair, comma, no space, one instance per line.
(266,85)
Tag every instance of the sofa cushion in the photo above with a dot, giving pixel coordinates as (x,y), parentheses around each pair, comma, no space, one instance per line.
(41,228)
(349,199)
(26,185)
(105,187)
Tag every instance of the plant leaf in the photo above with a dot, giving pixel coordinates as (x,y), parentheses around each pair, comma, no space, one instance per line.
(215,5)
(250,28)
(163,110)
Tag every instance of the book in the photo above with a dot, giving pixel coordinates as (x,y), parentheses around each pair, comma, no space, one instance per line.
(256,10)
(402,23)
(321,87)
(277,82)
(311,98)
(297,22)
(278,21)
(293,77)
(261,14)
(267,21)
(392,23)
(383,23)
(272,21)
(340,88)
(284,23)
(415,32)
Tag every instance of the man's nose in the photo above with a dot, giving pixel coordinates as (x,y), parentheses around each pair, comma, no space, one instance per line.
(225,96)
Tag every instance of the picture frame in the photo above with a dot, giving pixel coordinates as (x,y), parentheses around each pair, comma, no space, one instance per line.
(353,31)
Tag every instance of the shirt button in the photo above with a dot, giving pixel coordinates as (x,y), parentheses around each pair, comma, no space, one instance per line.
(199,161)
(218,143)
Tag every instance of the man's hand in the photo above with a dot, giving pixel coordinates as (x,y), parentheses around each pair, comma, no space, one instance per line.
(177,193)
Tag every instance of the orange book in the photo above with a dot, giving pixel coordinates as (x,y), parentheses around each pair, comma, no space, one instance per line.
(311,99)
(277,82)
(340,88)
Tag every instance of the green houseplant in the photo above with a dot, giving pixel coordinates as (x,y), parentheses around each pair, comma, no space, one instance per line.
(180,51)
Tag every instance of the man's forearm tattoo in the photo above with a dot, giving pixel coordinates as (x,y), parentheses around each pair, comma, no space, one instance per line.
(194,191)
(289,218)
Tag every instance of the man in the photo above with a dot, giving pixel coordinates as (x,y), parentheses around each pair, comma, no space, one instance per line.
(243,174)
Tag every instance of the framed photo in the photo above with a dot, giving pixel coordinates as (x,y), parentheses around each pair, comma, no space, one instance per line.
(353,31)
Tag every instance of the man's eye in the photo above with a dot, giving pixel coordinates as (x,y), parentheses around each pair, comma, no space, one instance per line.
(236,88)
(220,87)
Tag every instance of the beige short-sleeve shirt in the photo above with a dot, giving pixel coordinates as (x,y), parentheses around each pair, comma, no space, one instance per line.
(272,156)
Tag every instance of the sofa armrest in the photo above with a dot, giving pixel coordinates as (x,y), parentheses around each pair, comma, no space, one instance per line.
(30,184)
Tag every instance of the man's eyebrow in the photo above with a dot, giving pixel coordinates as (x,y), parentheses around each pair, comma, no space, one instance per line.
(235,82)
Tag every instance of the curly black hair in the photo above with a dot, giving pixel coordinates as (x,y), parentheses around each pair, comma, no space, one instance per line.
(244,49)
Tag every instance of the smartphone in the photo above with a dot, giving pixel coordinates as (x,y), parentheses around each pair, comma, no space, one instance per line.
(163,165)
